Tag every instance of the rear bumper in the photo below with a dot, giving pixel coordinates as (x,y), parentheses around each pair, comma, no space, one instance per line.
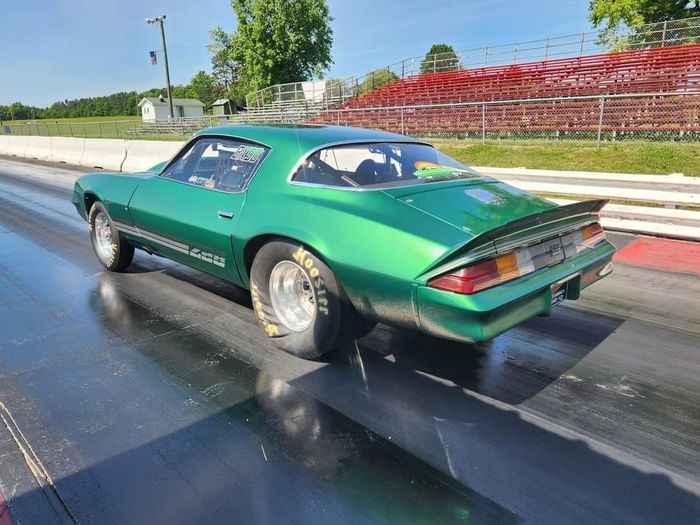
(486,314)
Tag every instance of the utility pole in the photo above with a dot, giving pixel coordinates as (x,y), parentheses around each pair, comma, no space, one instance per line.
(160,20)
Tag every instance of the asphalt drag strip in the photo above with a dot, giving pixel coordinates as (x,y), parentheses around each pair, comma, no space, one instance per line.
(152,395)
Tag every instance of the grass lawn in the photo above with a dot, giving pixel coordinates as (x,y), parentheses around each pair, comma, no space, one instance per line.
(49,121)
(622,157)
(89,127)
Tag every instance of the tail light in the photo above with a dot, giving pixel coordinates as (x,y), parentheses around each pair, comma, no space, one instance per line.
(480,276)
(592,235)
(520,262)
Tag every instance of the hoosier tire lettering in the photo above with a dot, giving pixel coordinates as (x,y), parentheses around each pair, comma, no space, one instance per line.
(270,329)
(307,321)
(303,258)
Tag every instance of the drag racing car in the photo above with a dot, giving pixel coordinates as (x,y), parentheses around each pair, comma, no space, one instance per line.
(333,229)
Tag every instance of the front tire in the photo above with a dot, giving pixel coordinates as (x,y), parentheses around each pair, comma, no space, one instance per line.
(298,301)
(111,249)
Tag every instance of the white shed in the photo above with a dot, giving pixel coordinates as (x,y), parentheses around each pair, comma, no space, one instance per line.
(154,108)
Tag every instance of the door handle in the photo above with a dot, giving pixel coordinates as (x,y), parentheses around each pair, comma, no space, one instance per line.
(226,214)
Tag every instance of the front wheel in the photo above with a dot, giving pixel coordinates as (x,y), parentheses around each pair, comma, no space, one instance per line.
(113,252)
(297,300)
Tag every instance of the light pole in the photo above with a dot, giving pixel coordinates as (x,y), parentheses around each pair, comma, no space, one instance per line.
(160,20)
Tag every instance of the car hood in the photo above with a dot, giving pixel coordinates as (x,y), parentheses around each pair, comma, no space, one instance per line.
(473,206)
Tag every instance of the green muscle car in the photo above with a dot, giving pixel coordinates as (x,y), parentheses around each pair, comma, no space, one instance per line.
(333,229)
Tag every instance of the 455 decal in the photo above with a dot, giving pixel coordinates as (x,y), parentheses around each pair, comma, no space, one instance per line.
(202,253)
(205,256)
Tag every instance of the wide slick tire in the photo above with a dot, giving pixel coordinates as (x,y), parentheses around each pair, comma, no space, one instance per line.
(298,301)
(111,249)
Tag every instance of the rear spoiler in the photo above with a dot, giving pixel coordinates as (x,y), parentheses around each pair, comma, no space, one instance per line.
(568,211)
(493,240)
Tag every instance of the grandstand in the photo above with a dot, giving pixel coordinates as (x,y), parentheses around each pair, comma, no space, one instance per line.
(657,70)
(560,96)
(558,87)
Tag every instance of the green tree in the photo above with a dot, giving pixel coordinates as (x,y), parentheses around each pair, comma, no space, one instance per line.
(226,71)
(376,79)
(182,91)
(440,57)
(203,87)
(613,15)
(280,41)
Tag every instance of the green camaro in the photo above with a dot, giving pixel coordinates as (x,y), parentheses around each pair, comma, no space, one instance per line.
(333,229)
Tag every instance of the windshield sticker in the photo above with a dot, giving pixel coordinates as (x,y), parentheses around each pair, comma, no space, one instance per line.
(425,165)
(199,181)
(248,153)
(428,170)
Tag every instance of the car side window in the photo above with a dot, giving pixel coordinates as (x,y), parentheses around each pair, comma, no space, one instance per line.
(217,164)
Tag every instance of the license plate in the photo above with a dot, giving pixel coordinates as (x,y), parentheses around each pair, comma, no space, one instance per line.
(559,290)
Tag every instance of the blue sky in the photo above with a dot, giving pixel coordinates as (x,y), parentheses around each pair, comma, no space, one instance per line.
(57,49)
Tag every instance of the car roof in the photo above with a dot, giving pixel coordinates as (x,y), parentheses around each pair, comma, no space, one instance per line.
(302,137)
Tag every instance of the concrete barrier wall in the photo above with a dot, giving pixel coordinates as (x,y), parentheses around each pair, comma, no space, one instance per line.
(108,154)
(142,154)
(67,149)
(38,148)
(17,145)
(139,155)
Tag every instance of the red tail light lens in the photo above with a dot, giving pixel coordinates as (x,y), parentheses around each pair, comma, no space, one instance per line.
(522,261)
(479,276)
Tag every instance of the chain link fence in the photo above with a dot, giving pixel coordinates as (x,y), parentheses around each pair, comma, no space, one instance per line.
(650,117)
(643,116)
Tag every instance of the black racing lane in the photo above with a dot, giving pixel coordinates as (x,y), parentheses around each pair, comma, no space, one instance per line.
(152,396)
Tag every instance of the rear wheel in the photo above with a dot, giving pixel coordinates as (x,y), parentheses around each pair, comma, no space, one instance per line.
(298,301)
(111,249)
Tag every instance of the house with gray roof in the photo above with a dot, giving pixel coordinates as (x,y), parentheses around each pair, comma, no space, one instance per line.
(157,108)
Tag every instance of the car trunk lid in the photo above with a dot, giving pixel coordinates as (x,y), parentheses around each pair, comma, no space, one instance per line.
(495,217)
(475,206)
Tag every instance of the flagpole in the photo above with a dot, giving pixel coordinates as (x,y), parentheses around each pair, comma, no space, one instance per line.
(160,20)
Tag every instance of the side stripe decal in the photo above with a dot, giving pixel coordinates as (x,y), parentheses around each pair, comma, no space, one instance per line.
(196,253)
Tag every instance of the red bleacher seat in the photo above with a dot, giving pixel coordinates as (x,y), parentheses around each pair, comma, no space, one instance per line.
(671,69)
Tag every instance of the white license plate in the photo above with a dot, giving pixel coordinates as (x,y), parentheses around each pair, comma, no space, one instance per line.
(559,290)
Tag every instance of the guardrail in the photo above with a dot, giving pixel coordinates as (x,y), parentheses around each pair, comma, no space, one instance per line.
(665,190)
(660,194)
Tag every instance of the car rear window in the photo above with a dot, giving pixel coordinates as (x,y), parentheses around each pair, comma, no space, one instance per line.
(380,165)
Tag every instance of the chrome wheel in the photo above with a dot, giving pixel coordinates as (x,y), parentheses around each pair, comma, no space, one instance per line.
(292,295)
(103,236)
